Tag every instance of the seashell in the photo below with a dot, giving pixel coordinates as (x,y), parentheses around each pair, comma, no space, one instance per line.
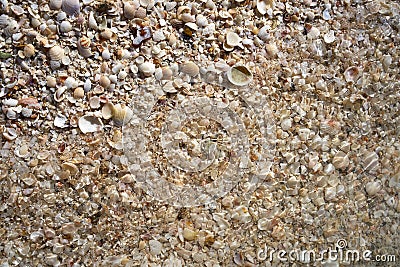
(106,34)
(87,86)
(10,134)
(71,7)
(121,114)
(264,5)
(190,68)
(17,10)
(232,39)
(147,68)
(94,102)
(351,74)
(92,22)
(70,82)
(104,81)
(239,75)
(140,13)
(372,188)
(51,81)
(65,26)
(56,53)
(147,3)
(329,37)
(29,50)
(370,161)
(60,121)
(341,160)
(189,234)
(11,28)
(272,50)
(55,4)
(83,46)
(59,94)
(129,10)
(107,111)
(70,167)
(201,20)
(90,124)
(79,93)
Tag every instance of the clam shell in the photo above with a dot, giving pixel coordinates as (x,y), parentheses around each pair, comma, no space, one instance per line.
(147,68)
(60,121)
(71,7)
(351,74)
(104,81)
(65,26)
(107,111)
(83,46)
(239,75)
(90,124)
(55,4)
(129,10)
(59,94)
(56,53)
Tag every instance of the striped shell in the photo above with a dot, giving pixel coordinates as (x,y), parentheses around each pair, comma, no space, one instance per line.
(11,28)
(56,53)
(84,47)
(71,7)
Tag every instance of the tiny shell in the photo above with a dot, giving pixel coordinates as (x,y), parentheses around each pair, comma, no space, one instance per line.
(56,53)
(90,124)
(121,114)
(341,160)
(232,39)
(272,50)
(373,188)
(60,121)
(55,4)
(107,111)
(239,75)
(264,5)
(11,28)
(147,68)
(83,45)
(329,37)
(104,81)
(65,26)
(190,68)
(29,50)
(92,22)
(351,74)
(79,93)
(129,10)
(71,7)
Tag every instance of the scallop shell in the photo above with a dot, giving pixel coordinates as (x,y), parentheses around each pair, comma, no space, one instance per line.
(239,75)
(121,114)
(56,53)
(71,7)
(90,124)
(83,45)
(55,4)
(190,68)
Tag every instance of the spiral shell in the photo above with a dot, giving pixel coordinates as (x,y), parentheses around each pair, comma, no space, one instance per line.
(56,53)
(55,4)
(71,7)
(84,47)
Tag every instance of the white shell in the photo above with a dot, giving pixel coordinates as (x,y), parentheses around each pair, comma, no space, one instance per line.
(92,22)
(329,37)
(190,68)
(351,74)
(65,26)
(59,94)
(232,39)
(56,53)
(107,111)
(264,5)
(147,68)
(12,28)
(71,7)
(90,124)
(55,4)
(60,121)
(239,75)
(373,188)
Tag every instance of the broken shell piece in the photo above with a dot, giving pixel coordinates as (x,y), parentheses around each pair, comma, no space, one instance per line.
(351,74)
(60,121)
(90,124)
(56,53)
(71,7)
(264,5)
(121,114)
(84,47)
(190,68)
(232,39)
(239,75)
